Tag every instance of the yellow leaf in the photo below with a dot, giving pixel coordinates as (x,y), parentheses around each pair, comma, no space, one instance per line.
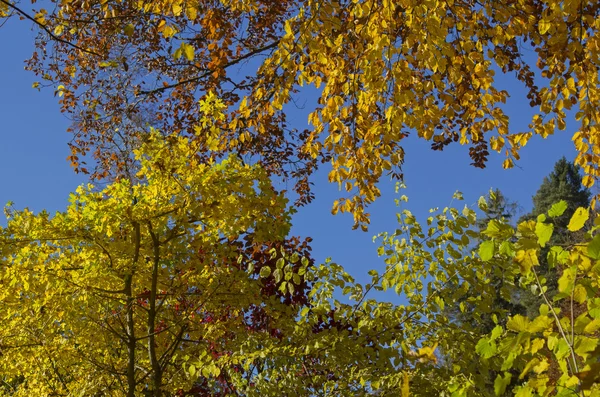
(427,353)
(588,181)
(544,26)
(188,51)
(192,12)
(541,367)
(177,8)
(578,219)
(168,31)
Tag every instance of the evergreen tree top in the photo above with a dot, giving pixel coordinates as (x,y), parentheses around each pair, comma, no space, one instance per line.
(563,183)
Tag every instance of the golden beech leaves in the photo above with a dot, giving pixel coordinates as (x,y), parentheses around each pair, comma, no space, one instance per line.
(383,70)
(107,296)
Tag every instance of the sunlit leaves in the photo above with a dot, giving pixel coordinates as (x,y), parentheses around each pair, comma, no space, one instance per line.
(485,348)
(382,72)
(154,258)
(486,250)
(557,209)
(544,232)
(593,248)
(578,219)
(501,382)
(185,50)
(518,323)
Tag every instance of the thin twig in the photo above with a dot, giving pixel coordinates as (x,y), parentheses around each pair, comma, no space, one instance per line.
(41,25)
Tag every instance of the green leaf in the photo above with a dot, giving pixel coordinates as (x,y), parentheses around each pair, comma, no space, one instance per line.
(584,345)
(518,323)
(128,30)
(543,231)
(540,324)
(578,219)
(557,209)
(496,332)
(277,275)
(296,279)
(304,312)
(265,271)
(593,326)
(594,247)
(557,255)
(485,348)
(524,391)
(501,382)
(493,228)
(280,262)
(561,349)
(486,250)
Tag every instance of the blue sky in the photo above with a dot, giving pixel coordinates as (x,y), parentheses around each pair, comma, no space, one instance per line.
(37,175)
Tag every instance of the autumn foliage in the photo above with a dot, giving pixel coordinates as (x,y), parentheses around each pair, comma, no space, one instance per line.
(173,273)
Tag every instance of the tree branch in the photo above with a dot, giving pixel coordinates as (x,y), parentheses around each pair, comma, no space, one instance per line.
(208,72)
(50,33)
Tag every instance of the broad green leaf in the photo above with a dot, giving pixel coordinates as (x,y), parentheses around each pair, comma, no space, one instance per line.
(557,209)
(541,367)
(280,263)
(523,391)
(578,219)
(485,348)
(496,332)
(541,218)
(518,323)
(557,255)
(265,271)
(562,349)
(277,275)
(543,231)
(486,250)
(593,247)
(592,326)
(501,383)
(540,323)
(584,345)
(493,228)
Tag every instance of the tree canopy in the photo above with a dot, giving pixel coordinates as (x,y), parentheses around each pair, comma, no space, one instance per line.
(173,272)
(383,70)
